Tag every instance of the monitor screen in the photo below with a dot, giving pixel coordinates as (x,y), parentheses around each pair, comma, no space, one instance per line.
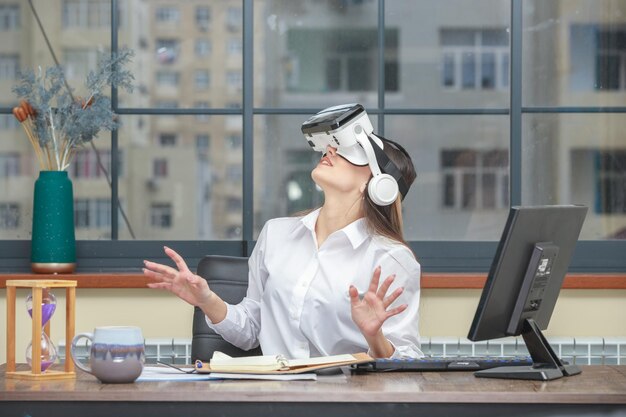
(524,282)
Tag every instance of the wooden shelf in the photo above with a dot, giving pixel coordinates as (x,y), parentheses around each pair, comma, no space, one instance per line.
(429,280)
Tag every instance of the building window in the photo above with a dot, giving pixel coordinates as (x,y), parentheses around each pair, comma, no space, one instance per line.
(202,47)
(234,142)
(234,18)
(161,215)
(159,168)
(348,57)
(167,51)
(166,104)
(168,139)
(167,14)
(9,66)
(9,17)
(202,105)
(85,163)
(234,204)
(610,60)
(9,164)
(79,61)
(8,122)
(203,142)
(203,18)
(171,78)
(234,80)
(86,14)
(475,59)
(610,167)
(475,179)
(92,213)
(9,216)
(234,173)
(234,47)
(202,79)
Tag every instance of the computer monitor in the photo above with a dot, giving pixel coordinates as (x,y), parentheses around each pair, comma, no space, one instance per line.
(524,283)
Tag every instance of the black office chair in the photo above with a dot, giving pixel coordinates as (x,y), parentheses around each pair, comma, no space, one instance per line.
(227,277)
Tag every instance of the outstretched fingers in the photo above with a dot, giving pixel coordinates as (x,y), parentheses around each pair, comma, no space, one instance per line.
(393,297)
(375,280)
(178,260)
(395,311)
(382,291)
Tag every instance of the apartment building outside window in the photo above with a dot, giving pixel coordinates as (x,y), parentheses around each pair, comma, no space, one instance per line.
(171,78)
(161,215)
(9,216)
(86,14)
(202,47)
(85,164)
(610,59)
(475,179)
(202,79)
(168,14)
(475,59)
(168,139)
(159,168)
(9,164)
(92,213)
(9,17)
(167,51)
(9,66)
(203,18)
(610,167)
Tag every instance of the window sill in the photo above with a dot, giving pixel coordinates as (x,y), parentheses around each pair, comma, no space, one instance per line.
(429,280)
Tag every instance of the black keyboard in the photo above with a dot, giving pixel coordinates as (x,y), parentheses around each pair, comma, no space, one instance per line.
(443,364)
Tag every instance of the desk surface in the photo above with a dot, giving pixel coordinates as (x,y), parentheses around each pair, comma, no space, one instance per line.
(598,388)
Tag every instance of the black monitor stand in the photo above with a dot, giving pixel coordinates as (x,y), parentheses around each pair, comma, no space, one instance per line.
(546,364)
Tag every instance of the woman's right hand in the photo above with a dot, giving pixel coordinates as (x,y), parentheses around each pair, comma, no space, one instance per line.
(179,281)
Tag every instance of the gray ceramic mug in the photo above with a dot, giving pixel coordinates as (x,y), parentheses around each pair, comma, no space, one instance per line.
(117,353)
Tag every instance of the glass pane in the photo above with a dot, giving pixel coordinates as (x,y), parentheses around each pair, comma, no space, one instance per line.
(188,187)
(574,53)
(439,58)
(578,159)
(283,162)
(189,54)
(78,32)
(454,196)
(312,53)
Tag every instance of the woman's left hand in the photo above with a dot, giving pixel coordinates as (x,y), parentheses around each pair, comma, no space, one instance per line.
(371,312)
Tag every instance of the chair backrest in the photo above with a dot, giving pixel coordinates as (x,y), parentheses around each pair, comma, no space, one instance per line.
(227,277)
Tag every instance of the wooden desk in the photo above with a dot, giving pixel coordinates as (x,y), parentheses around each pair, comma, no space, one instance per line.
(599,390)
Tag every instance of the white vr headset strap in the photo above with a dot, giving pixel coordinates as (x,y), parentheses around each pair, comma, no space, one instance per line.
(382,188)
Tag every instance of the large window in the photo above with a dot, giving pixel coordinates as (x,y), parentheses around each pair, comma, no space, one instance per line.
(499,103)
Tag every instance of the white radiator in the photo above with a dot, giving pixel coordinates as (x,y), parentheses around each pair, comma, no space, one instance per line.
(575,350)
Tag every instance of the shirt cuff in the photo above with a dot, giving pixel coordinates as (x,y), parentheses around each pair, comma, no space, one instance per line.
(227,323)
(401,352)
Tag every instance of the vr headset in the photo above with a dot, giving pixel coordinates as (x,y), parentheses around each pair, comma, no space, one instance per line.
(347,128)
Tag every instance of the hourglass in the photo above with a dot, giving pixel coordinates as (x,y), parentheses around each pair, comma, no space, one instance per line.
(47,350)
(41,305)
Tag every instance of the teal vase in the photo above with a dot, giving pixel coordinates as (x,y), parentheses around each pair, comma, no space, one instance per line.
(53,244)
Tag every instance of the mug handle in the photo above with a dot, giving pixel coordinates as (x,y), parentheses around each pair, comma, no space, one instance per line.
(73,350)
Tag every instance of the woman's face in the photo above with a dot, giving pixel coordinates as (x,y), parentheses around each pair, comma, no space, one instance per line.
(335,173)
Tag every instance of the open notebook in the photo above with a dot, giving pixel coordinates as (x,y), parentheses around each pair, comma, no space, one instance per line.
(276,364)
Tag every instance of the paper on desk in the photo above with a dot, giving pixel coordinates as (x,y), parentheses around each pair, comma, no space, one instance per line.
(271,377)
(161,373)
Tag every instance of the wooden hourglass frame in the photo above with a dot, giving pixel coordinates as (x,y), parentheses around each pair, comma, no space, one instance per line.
(37,286)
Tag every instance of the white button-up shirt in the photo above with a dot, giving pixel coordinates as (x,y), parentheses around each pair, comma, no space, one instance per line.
(298,303)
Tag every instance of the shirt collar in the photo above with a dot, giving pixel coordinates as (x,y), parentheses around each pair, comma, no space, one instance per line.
(356,232)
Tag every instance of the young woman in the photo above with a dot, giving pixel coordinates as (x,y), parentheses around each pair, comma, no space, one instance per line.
(314,282)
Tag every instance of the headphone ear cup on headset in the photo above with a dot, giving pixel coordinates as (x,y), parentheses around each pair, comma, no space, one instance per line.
(383,189)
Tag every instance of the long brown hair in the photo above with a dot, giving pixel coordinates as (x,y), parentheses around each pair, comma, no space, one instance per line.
(386,221)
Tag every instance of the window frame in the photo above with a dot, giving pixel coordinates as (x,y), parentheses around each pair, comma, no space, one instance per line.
(435,256)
